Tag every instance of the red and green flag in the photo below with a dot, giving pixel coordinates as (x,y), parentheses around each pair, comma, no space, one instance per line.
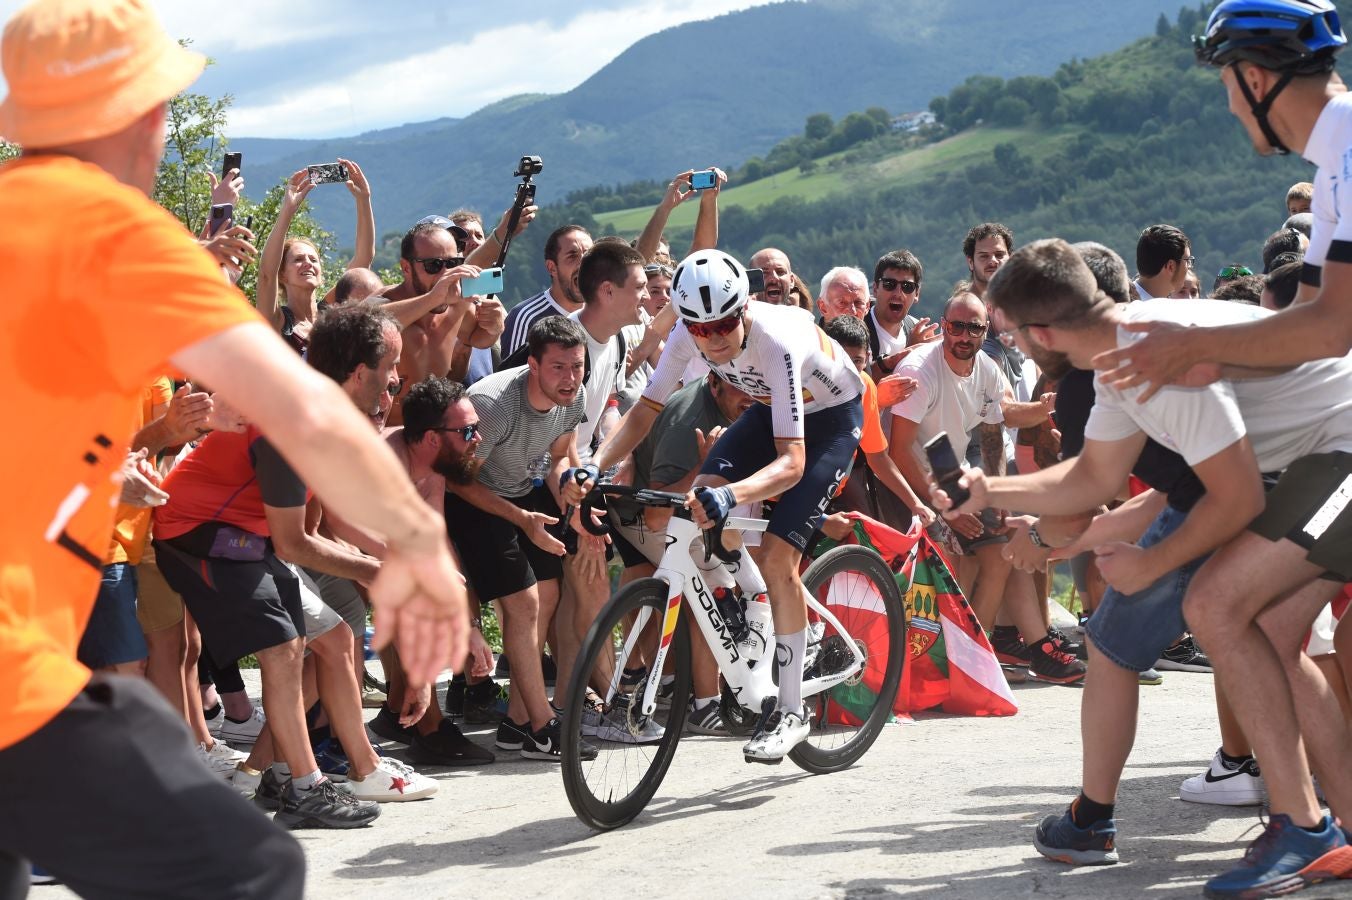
(950,664)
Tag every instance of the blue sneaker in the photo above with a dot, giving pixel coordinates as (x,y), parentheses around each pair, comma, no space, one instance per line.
(1284,859)
(332,760)
(1058,838)
(39,875)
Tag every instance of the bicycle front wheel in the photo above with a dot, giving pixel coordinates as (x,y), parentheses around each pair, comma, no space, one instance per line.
(632,752)
(860,591)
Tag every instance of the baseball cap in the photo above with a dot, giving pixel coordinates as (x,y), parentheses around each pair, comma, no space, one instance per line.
(85,69)
(459,233)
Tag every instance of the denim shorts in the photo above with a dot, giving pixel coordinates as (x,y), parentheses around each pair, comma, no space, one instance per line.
(1132,630)
(113,635)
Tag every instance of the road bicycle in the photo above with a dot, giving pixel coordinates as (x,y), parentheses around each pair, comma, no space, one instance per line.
(852,668)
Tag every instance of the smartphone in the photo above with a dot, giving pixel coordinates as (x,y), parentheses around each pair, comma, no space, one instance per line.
(488,282)
(756,278)
(703,181)
(222,217)
(327,173)
(232,161)
(944,462)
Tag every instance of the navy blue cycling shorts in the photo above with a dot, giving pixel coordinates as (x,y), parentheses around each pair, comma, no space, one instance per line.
(832,436)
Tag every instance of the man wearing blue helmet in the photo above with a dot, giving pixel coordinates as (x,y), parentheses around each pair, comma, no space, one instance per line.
(1277,60)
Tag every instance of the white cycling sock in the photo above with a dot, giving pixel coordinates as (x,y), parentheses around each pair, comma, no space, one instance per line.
(789,652)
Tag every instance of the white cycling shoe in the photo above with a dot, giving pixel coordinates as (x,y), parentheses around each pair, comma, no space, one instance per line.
(775,736)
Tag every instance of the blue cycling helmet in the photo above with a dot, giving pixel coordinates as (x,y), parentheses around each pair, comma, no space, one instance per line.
(1297,36)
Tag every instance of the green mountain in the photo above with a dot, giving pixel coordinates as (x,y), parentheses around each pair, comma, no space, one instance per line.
(1106,147)
(714,92)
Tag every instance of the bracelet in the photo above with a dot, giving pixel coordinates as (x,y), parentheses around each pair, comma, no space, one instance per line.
(1036,538)
(477,623)
(494,235)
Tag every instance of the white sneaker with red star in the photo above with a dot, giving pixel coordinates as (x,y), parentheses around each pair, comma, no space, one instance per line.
(391,782)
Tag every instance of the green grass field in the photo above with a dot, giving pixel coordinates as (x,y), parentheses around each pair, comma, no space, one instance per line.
(902,169)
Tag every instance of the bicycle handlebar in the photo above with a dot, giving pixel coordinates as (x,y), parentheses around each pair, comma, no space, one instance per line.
(595,500)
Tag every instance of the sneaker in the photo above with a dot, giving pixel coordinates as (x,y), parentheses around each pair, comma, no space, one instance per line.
(503,669)
(1074,648)
(1150,677)
(1009,647)
(455,697)
(215,719)
(448,746)
(38,875)
(485,703)
(220,759)
(615,727)
(547,744)
(1051,663)
(372,698)
(1184,656)
(386,725)
(271,790)
(776,734)
(1286,858)
(1058,838)
(1221,785)
(325,806)
(511,735)
(246,782)
(332,760)
(391,782)
(593,715)
(706,719)
(245,732)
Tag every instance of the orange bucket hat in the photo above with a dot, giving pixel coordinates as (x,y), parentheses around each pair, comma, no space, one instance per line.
(85,69)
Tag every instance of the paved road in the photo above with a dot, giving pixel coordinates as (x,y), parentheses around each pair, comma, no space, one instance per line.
(944,807)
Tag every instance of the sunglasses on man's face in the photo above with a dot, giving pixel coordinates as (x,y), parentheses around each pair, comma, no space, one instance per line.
(891,284)
(958,329)
(467,432)
(716,328)
(394,389)
(433,265)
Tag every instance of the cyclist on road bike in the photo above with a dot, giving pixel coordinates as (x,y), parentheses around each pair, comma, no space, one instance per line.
(796,443)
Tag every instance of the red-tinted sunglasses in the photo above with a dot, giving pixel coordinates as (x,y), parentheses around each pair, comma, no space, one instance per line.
(716,328)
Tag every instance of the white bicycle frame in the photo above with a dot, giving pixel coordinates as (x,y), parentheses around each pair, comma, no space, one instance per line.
(750,684)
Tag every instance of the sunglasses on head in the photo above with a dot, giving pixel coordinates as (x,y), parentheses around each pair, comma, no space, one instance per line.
(1235,272)
(891,284)
(433,265)
(958,329)
(657,269)
(467,432)
(716,328)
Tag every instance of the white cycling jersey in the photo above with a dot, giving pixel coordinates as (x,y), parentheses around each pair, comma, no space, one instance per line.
(787,363)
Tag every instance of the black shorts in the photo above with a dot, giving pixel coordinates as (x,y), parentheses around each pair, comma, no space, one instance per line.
(832,436)
(1312,507)
(240,607)
(498,558)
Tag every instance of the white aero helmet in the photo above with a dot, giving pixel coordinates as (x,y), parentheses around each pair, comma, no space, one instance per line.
(709,285)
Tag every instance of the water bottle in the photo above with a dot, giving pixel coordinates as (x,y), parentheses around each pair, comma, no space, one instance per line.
(760,629)
(538,469)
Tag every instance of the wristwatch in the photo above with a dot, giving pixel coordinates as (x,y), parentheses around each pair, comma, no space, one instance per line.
(1036,538)
(477,623)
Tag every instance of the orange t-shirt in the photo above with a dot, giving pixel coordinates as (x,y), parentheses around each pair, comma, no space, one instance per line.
(101,287)
(133,522)
(871,439)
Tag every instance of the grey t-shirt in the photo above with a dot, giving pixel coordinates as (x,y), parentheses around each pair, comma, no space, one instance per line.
(513,433)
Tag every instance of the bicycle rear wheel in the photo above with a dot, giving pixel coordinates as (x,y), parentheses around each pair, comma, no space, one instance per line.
(631,761)
(860,591)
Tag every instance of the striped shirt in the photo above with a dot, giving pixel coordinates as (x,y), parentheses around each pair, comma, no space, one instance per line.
(515,434)
(523,316)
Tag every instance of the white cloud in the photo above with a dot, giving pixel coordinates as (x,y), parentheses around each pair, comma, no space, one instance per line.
(458,78)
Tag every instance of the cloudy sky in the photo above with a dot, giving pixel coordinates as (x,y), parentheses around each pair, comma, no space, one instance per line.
(323,68)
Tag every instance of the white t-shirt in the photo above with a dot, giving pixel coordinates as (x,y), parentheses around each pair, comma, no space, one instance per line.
(788,363)
(946,401)
(1330,148)
(888,345)
(604,379)
(1306,410)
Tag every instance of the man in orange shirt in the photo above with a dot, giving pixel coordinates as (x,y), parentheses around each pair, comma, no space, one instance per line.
(89,81)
